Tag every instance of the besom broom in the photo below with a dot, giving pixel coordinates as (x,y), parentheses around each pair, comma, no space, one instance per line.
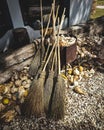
(35,63)
(50,80)
(35,99)
(48,88)
(57,106)
(34,103)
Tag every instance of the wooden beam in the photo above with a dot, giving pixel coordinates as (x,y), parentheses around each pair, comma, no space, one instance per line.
(15,61)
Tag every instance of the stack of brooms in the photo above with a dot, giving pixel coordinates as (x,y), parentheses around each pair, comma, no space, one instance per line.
(46,94)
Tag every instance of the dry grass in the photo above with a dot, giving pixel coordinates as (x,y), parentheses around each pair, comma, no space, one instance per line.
(98,13)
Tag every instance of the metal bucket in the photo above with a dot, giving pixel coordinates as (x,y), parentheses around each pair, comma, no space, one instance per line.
(68,54)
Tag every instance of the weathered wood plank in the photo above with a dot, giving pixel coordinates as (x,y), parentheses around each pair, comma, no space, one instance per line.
(17,56)
(15,61)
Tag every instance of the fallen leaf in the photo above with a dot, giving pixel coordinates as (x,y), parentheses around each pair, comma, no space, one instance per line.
(78,90)
(8,116)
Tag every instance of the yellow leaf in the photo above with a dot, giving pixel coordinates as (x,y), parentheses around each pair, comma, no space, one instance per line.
(80,68)
(63,76)
(5,101)
(78,90)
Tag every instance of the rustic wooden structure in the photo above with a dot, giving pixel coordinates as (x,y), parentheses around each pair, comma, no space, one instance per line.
(16,60)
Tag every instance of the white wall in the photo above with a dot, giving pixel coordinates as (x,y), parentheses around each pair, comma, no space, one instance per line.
(79,11)
(15,13)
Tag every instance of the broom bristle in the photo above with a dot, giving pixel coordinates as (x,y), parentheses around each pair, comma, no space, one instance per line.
(57,107)
(48,91)
(35,106)
(35,64)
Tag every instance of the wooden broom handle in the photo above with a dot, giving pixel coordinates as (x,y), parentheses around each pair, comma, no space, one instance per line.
(46,33)
(60,26)
(49,57)
(41,19)
(48,23)
(54,56)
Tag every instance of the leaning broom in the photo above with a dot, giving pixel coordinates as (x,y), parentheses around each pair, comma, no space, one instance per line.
(34,103)
(54,92)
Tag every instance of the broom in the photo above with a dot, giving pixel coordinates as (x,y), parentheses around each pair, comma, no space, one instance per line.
(35,63)
(49,82)
(34,103)
(48,88)
(57,106)
(53,36)
(56,16)
(35,96)
(34,89)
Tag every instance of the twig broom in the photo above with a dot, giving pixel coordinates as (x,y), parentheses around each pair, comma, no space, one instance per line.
(34,103)
(57,106)
(48,88)
(50,80)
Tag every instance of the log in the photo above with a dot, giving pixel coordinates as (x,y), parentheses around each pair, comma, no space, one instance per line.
(16,60)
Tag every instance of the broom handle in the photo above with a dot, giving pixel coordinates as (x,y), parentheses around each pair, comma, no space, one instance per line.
(46,53)
(48,24)
(62,19)
(43,40)
(54,56)
(41,19)
(49,57)
(46,33)
(53,4)
(60,26)
(49,20)
(56,14)
(56,47)
(53,17)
